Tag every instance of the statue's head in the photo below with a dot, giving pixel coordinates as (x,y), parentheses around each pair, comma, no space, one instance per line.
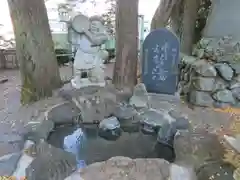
(96,24)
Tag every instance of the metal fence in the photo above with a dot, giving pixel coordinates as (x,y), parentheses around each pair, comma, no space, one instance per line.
(8,59)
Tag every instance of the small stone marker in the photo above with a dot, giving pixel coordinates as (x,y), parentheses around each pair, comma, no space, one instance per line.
(160,61)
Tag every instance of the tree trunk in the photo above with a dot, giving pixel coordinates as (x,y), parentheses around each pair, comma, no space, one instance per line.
(162,13)
(189,24)
(35,51)
(125,70)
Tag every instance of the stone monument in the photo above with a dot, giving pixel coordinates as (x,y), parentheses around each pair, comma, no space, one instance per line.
(89,34)
(160,61)
(223,20)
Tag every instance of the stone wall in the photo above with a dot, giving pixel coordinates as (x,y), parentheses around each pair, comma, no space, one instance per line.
(211,77)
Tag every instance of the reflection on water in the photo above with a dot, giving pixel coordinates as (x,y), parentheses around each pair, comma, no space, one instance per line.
(88,146)
(74,143)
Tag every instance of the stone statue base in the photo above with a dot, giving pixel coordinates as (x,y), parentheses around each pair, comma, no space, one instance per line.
(85,82)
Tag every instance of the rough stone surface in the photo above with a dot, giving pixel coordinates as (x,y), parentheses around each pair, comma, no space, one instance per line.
(125,115)
(109,129)
(225,71)
(125,168)
(64,113)
(142,169)
(124,111)
(220,12)
(200,98)
(57,165)
(205,69)
(217,58)
(140,97)
(109,123)
(219,84)
(8,164)
(153,97)
(236,93)
(40,148)
(182,121)
(236,67)
(166,134)
(69,93)
(203,84)
(96,106)
(234,85)
(38,130)
(152,120)
(197,147)
(225,96)
(182,172)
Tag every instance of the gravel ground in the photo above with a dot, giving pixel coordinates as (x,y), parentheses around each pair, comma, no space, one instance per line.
(13,116)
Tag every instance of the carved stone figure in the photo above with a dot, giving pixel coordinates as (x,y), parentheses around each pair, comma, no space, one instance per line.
(88,63)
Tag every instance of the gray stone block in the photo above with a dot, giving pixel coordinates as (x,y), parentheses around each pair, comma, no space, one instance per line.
(225,71)
(225,96)
(203,83)
(204,68)
(200,98)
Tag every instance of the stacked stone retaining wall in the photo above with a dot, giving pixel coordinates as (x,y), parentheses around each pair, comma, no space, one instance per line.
(211,77)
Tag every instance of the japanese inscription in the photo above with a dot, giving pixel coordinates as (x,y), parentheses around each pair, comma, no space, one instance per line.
(160,61)
(159,58)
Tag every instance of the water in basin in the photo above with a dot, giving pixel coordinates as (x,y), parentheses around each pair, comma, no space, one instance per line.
(96,149)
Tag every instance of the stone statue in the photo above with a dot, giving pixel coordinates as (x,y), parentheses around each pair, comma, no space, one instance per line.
(88,63)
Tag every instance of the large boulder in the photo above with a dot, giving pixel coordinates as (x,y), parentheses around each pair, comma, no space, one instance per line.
(197,146)
(55,163)
(128,169)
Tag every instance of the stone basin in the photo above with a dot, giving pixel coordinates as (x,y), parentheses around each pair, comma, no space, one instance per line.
(97,149)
